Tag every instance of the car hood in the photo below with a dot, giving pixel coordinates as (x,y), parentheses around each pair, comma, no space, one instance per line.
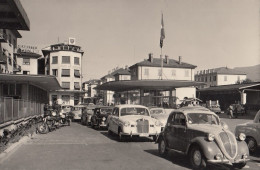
(161,117)
(223,138)
(134,118)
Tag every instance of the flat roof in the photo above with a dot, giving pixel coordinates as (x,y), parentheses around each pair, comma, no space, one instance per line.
(231,87)
(15,16)
(126,85)
(49,83)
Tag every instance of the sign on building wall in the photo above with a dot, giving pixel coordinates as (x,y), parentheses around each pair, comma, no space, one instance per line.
(28,49)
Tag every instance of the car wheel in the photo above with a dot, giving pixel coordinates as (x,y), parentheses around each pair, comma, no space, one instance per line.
(122,137)
(251,143)
(239,165)
(162,148)
(197,158)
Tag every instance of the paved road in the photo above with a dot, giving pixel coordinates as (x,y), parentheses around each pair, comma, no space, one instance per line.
(79,147)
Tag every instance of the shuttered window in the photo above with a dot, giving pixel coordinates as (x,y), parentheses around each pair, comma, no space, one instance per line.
(65,59)
(76,73)
(55,60)
(76,60)
(65,85)
(65,73)
(76,86)
(26,61)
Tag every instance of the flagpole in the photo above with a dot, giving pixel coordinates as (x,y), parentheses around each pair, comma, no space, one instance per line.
(161,65)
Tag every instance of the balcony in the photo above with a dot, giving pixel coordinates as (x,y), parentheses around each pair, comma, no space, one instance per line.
(3,59)
(3,37)
(17,68)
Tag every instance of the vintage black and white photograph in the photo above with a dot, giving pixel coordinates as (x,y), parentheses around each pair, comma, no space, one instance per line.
(129,84)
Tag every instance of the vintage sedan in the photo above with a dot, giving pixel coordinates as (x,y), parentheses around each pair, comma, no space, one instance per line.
(198,132)
(252,132)
(87,113)
(133,120)
(159,114)
(77,111)
(98,119)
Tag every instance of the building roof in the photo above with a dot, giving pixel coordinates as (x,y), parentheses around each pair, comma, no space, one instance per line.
(111,75)
(49,83)
(15,17)
(231,87)
(74,48)
(123,72)
(93,81)
(157,63)
(28,54)
(226,70)
(146,85)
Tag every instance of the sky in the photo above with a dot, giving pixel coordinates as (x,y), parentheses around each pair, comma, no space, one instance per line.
(116,33)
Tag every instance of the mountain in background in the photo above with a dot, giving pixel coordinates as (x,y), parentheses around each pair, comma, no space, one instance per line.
(253,72)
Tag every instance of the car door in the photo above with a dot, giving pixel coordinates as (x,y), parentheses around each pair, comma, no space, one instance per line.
(113,120)
(169,131)
(181,132)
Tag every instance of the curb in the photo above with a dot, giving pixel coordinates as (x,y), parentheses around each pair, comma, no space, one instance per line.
(8,152)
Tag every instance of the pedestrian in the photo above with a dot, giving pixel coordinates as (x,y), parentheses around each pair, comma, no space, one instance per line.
(230,111)
(235,110)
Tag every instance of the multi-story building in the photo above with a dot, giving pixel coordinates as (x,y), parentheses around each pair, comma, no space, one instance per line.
(8,45)
(157,69)
(27,59)
(91,94)
(219,76)
(64,60)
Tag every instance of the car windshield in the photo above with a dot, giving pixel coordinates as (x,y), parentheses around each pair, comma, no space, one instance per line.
(134,111)
(106,110)
(156,111)
(202,118)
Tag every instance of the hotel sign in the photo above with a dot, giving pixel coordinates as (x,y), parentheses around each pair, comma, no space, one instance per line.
(28,49)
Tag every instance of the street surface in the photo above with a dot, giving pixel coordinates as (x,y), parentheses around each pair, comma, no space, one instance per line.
(80,147)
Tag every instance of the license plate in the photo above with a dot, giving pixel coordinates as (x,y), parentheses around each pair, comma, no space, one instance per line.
(143,134)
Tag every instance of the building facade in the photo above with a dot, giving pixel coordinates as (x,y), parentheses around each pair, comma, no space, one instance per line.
(64,61)
(219,76)
(165,68)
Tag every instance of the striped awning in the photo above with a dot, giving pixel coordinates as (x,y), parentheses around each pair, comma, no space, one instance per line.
(76,73)
(76,86)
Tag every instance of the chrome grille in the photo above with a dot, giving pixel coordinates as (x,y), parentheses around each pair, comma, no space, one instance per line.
(142,126)
(229,143)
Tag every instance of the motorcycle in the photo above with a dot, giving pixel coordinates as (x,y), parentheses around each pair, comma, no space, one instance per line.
(49,122)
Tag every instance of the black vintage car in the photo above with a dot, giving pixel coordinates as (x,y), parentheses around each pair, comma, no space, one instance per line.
(99,117)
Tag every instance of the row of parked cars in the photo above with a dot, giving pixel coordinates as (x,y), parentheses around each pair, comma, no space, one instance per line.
(191,130)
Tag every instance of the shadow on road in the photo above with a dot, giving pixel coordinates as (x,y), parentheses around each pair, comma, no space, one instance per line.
(128,139)
(183,160)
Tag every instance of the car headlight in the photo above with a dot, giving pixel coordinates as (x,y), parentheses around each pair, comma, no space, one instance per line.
(103,118)
(242,136)
(211,137)
(126,123)
(158,123)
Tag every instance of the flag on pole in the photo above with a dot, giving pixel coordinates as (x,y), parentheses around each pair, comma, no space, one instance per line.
(162,33)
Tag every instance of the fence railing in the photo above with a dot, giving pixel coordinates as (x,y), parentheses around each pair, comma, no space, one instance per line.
(15,109)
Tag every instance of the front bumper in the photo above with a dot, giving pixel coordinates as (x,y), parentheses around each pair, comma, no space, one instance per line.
(140,134)
(228,161)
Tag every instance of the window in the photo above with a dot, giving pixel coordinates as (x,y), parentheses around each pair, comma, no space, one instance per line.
(179,119)
(55,72)
(76,86)
(65,59)
(159,72)
(225,78)
(55,60)
(146,71)
(65,99)
(26,72)
(173,72)
(187,73)
(65,73)
(215,78)
(65,85)
(206,79)
(76,60)
(26,61)
(10,60)
(76,73)
(210,79)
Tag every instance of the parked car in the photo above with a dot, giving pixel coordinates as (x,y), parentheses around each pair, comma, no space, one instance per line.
(240,109)
(252,132)
(199,133)
(87,113)
(133,120)
(98,119)
(214,106)
(77,111)
(159,114)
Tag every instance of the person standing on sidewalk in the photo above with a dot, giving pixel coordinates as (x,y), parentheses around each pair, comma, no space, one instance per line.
(230,111)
